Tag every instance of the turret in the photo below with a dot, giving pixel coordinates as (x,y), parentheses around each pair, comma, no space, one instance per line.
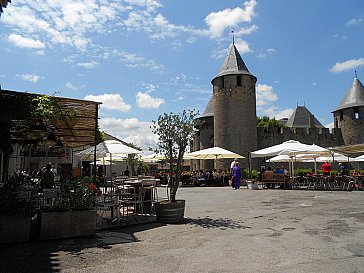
(349,115)
(234,100)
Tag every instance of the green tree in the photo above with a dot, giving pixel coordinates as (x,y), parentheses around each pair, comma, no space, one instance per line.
(132,159)
(174,132)
(266,122)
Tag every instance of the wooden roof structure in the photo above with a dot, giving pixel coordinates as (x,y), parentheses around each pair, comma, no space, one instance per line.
(72,131)
(3,4)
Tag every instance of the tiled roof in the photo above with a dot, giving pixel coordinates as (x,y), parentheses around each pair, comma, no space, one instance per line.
(354,96)
(209,111)
(301,119)
(233,64)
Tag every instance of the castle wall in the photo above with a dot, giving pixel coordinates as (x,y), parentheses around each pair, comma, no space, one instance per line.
(319,136)
(351,125)
(206,140)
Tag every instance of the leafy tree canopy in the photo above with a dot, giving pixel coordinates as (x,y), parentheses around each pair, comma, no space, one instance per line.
(267,122)
(174,133)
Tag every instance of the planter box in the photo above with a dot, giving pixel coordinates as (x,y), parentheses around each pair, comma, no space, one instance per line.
(251,185)
(55,225)
(14,228)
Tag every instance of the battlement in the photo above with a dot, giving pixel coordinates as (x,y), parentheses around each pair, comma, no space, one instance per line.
(320,136)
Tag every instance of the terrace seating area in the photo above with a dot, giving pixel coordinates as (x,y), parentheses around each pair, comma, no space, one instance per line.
(317,182)
(127,200)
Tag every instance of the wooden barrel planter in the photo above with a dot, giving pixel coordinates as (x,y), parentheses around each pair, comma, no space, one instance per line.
(170,212)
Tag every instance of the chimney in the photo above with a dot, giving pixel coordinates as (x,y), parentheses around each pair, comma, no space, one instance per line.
(311,121)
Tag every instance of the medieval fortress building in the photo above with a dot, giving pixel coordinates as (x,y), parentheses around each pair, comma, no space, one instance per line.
(229,120)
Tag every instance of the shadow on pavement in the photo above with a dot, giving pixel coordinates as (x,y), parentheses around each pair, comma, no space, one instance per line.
(43,256)
(220,223)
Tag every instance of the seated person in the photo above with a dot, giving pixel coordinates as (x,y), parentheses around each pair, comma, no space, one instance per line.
(268,174)
(278,170)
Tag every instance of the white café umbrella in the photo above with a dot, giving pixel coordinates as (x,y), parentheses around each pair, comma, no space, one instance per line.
(157,157)
(213,153)
(311,152)
(359,158)
(152,157)
(335,157)
(108,148)
(291,148)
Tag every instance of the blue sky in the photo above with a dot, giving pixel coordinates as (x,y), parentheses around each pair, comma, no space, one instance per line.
(142,58)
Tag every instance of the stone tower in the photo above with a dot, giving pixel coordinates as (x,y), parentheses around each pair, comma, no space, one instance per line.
(234,101)
(349,114)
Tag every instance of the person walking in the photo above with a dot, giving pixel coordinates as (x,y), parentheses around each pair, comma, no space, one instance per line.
(236,175)
(47,180)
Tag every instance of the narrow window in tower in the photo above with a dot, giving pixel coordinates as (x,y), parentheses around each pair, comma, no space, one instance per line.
(341,115)
(336,123)
(222,82)
(238,81)
(356,113)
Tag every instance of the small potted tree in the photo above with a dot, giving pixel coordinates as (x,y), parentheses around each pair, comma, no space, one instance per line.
(174,132)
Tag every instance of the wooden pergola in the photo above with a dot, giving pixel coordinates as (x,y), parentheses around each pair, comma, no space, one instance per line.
(18,125)
(3,4)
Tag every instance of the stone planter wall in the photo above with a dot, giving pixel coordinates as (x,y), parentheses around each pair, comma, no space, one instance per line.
(66,224)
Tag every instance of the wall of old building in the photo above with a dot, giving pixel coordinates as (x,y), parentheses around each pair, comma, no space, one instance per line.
(350,122)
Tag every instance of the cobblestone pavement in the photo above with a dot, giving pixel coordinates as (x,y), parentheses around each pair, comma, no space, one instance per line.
(225,230)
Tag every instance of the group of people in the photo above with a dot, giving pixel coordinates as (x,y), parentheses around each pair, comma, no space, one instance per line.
(327,169)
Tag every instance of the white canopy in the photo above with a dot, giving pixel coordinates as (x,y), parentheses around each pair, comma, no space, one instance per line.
(291,148)
(359,158)
(107,148)
(214,153)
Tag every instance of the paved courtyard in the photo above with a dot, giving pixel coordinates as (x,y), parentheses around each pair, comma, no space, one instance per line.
(224,231)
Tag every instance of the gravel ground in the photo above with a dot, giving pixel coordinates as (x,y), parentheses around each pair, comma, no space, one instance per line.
(224,230)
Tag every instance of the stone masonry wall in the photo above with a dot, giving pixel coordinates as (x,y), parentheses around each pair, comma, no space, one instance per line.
(352,128)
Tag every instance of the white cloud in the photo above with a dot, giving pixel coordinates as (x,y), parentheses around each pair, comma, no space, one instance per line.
(23,42)
(267,52)
(134,60)
(354,21)
(265,94)
(265,98)
(330,125)
(110,101)
(347,65)
(145,101)
(73,87)
(88,65)
(243,47)
(274,112)
(62,22)
(229,18)
(130,130)
(29,77)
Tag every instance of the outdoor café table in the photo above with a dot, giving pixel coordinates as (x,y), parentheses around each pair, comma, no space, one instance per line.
(144,195)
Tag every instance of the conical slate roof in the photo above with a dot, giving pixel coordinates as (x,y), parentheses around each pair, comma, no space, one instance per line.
(354,96)
(233,64)
(209,111)
(301,119)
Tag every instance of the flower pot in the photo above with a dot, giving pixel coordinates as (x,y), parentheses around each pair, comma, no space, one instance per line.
(170,212)
(252,185)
